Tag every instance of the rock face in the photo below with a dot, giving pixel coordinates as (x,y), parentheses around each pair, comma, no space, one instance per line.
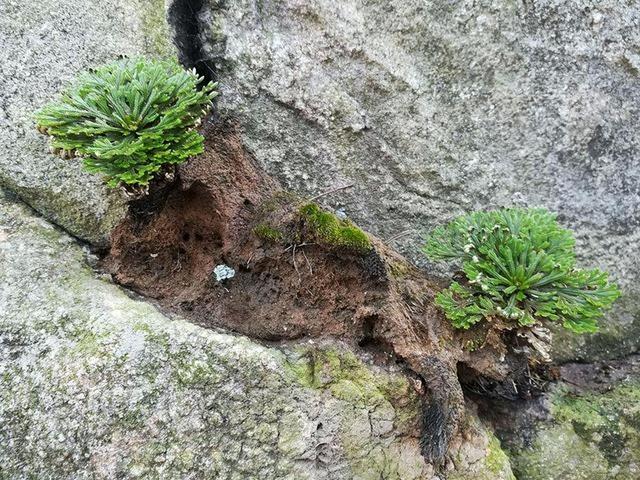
(95,384)
(591,436)
(43,46)
(583,430)
(433,109)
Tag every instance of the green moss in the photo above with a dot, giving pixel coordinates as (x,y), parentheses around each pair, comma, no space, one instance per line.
(399,269)
(332,231)
(496,460)
(267,232)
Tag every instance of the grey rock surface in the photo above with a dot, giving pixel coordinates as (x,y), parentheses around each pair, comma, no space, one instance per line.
(97,384)
(43,46)
(433,109)
(583,429)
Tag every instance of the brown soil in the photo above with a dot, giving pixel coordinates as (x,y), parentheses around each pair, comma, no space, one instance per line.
(170,244)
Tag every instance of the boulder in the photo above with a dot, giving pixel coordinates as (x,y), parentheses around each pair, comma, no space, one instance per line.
(433,109)
(97,384)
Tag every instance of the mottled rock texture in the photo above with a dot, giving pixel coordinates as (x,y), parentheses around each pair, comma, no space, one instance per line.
(433,109)
(96,384)
(587,428)
(43,46)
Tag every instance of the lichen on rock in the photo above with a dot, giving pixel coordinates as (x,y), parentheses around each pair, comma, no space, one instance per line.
(588,434)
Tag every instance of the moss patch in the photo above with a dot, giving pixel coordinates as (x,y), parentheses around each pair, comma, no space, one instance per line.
(267,232)
(496,460)
(330,230)
(399,269)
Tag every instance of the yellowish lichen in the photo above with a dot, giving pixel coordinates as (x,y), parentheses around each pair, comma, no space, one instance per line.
(157,38)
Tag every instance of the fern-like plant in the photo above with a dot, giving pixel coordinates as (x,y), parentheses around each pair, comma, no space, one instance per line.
(128,119)
(520,267)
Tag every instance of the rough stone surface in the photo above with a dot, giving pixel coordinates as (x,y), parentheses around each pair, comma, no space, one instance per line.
(433,109)
(43,46)
(96,384)
(587,436)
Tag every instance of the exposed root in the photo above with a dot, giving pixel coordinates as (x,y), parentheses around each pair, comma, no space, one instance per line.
(443,412)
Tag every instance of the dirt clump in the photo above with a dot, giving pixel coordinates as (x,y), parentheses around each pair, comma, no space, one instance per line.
(300,272)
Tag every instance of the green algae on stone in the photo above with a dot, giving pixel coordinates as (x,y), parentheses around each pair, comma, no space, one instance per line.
(592,436)
(497,460)
(489,464)
(611,420)
(381,402)
(347,378)
(558,453)
(333,231)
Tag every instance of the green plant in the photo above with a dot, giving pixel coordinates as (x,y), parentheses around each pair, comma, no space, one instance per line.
(519,266)
(128,119)
(267,232)
(330,230)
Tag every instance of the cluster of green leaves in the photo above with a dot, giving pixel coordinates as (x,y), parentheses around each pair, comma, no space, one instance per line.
(129,119)
(332,231)
(520,266)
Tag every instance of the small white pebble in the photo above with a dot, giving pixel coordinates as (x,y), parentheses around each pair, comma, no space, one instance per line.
(341,213)
(223,272)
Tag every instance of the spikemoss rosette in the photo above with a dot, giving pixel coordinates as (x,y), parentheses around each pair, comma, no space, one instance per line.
(128,119)
(519,266)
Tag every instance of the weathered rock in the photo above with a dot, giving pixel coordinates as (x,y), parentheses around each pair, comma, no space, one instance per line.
(587,427)
(96,384)
(438,108)
(43,46)
(589,436)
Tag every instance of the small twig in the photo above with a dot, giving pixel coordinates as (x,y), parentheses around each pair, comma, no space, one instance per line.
(308,262)
(333,190)
(401,234)
(303,244)
(295,264)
